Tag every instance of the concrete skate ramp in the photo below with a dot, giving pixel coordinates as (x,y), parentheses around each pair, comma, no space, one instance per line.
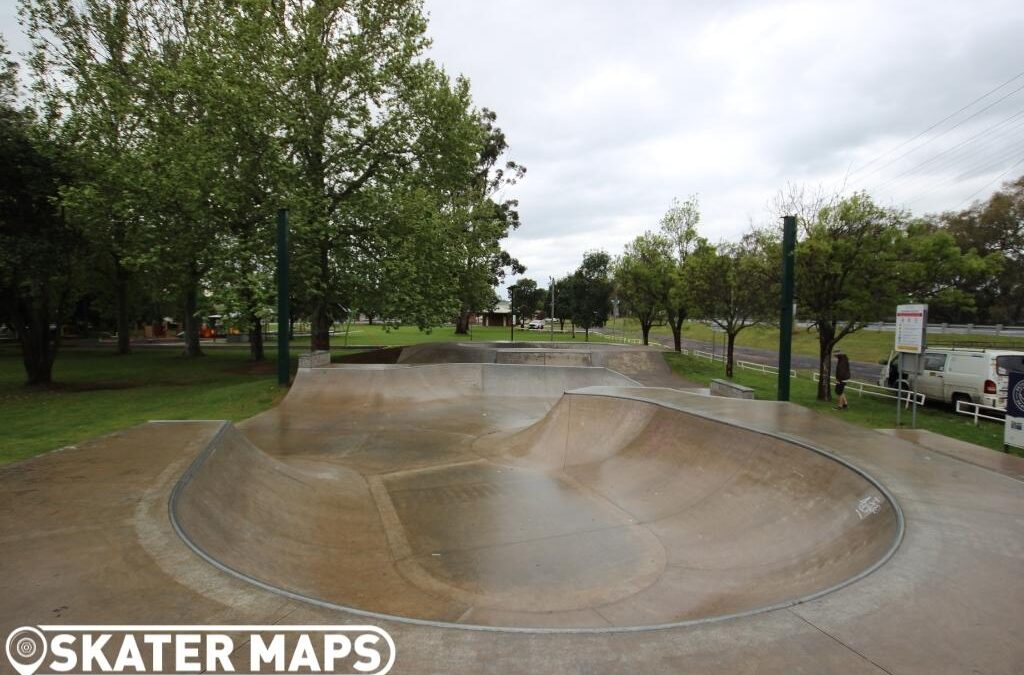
(636,362)
(455,494)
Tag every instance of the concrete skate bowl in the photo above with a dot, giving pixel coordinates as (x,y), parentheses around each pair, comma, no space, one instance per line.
(625,359)
(592,510)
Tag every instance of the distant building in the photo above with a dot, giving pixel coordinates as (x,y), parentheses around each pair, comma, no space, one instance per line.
(500,316)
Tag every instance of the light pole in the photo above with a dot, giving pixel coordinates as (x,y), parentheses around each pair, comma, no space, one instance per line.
(786,309)
(512,312)
(552,308)
(615,315)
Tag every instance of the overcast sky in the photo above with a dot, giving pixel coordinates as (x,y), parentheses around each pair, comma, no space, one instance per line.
(617,107)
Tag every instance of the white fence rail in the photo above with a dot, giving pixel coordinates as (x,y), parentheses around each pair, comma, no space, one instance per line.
(979,411)
(957,329)
(748,365)
(710,356)
(610,337)
(868,389)
(762,367)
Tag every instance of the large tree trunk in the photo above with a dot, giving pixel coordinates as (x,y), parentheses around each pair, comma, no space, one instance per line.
(256,352)
(826,338)
(320,327)
(192,323)
(38,345)
(731,341)
(645,328)
(586,334)
(462,322)
(124,327)
(676,322)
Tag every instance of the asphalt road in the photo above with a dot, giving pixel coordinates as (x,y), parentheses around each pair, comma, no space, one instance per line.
(860,370)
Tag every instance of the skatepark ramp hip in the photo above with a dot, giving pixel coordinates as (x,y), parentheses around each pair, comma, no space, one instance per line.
(525,497)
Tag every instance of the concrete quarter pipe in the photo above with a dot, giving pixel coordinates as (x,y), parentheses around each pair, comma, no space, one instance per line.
(502,494)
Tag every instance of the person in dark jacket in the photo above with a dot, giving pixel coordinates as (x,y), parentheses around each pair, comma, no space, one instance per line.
(842,375)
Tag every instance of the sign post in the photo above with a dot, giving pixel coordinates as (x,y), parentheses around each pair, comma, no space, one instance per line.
(1013,429)
(911,338)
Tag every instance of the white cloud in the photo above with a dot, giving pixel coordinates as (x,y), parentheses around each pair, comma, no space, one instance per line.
(616,108)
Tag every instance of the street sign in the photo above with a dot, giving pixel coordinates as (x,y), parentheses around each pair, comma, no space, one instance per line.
(1013,429)
(911,327)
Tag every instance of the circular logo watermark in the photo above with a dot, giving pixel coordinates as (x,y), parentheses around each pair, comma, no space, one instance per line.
(26,649)
(1018,395)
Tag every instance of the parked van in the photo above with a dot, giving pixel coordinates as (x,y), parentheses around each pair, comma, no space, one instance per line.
(953,374)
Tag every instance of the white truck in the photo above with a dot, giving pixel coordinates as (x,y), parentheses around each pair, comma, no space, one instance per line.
(954,374)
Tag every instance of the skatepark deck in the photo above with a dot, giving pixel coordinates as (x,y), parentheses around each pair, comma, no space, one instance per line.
(464,496)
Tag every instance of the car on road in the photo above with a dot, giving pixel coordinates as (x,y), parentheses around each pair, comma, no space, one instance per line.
(535,325)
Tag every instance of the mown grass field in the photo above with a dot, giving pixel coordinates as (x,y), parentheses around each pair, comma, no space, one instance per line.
(362,334)
(96,392)
(868,411)
(864,345)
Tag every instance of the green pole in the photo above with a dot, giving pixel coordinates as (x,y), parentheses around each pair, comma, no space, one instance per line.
(283,313)
(512,312)
(786,308)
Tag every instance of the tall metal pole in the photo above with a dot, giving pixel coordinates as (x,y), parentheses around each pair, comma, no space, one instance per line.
(552,308)
(283,313)
(512,312)
(786,307)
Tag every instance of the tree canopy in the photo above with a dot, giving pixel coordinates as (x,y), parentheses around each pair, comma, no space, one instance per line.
(185,124)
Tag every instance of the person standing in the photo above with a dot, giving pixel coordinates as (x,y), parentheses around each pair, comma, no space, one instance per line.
(842,375)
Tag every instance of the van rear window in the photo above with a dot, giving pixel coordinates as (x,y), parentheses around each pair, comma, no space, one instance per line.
(1004,364)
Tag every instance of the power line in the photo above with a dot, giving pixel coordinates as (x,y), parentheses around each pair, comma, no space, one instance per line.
(952,149)
(979,167)
(944,119)
(954,167)
(994,180)
(933,138)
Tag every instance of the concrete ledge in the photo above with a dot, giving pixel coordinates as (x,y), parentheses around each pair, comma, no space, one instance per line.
(730,389)
(317,359)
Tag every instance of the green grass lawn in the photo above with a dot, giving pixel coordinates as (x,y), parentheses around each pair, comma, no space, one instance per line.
(868,411)
(97,392)
(362,334)
(865,345)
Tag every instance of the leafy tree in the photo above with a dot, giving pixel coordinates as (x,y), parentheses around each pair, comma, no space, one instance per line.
(645,275)
(993,228)
(348,76)
(562,289)
(934,270)
(528,299)
(88,61)
(483,263)
(38,247)
(731,285)
(847,262)
(591,291)
(679,228)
